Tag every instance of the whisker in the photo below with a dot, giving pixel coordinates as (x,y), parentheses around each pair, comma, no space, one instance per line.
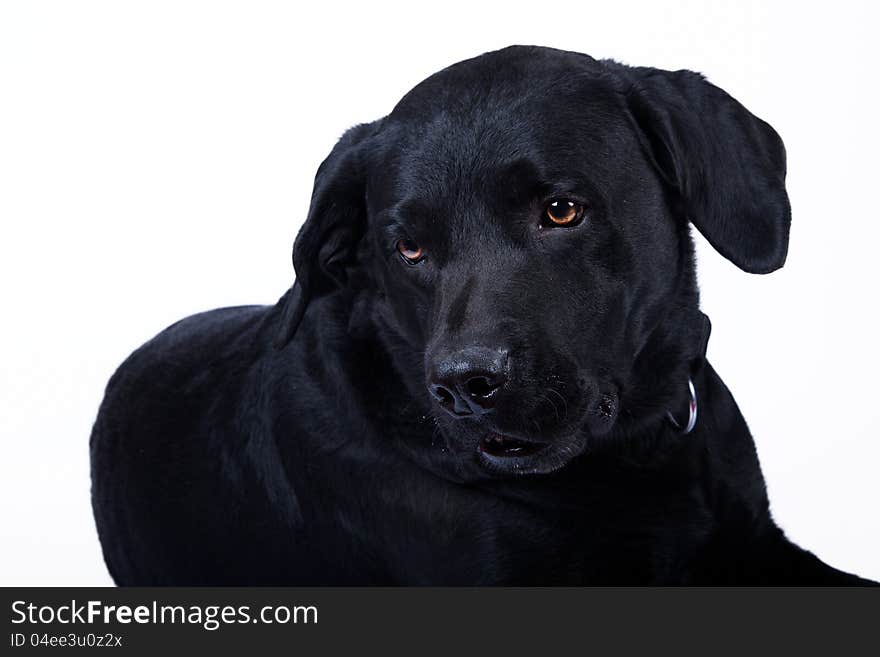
(564,403)
(546,398)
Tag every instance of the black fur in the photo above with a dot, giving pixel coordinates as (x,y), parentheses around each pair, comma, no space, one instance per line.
(299,444)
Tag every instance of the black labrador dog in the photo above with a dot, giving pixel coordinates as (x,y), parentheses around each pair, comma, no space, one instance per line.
(491,367)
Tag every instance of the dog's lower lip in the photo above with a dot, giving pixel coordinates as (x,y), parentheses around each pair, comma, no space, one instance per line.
(501,446)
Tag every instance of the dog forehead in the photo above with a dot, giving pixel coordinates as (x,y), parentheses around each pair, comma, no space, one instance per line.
(475,140)
(502,151)
(501,75)
(521,103)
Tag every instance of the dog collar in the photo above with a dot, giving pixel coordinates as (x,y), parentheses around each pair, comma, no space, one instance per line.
(704,328)
(692,412)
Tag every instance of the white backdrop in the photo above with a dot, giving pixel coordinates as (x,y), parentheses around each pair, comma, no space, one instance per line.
(156,159)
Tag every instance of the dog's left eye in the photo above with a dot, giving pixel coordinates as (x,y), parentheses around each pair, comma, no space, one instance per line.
(410,251)
(563,212)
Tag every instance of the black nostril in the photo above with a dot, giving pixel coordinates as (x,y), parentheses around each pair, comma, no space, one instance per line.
(443,395)
(450,401)
(481,387)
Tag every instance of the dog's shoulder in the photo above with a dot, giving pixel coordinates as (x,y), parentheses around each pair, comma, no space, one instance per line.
(196,352)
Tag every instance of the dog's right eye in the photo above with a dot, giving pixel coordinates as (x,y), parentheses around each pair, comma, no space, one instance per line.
(563,212)
(410,251)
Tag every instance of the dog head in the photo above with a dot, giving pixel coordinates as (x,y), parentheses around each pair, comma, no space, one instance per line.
(517,232)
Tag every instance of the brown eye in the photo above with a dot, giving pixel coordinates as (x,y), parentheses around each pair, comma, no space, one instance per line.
(563,212)
(410,251)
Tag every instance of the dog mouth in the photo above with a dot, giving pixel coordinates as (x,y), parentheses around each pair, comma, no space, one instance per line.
(502,455)
(500,446)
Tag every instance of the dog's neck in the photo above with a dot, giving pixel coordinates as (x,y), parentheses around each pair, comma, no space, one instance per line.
(658,384)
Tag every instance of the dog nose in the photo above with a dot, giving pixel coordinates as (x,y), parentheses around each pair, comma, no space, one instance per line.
(467,382)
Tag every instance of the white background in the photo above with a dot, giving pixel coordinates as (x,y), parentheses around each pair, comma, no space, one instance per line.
(156,159)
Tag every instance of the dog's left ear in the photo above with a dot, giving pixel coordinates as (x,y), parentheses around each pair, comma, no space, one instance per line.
(726,164)
(326,242)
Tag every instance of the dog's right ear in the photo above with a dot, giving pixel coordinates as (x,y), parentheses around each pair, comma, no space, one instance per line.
(326,242)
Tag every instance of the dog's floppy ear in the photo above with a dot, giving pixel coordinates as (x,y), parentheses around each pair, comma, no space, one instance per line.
(726,164)
(336,220)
